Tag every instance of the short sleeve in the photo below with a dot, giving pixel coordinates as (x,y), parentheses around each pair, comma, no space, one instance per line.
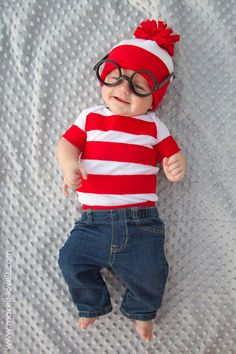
(76,134)
(166,145)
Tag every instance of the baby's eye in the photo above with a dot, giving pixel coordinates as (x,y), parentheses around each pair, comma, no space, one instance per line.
(114,73)
(140,87)
(112,77)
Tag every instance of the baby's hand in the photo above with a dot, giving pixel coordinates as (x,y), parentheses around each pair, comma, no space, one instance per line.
(72,177)
(174,167)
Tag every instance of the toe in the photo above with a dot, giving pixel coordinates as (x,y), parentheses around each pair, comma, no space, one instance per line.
(144,330)
(83,323)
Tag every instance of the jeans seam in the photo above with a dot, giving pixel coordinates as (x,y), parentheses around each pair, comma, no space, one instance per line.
(126,234)
(137,316)
(112,250)
(105,311)
(159,231)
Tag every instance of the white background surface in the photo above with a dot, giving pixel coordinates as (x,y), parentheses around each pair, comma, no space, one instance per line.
(47,50)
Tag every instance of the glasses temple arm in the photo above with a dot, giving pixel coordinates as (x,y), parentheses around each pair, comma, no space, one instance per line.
(158,86)
(100,61)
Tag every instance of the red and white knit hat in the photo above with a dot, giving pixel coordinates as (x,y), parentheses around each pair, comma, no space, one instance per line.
(151,50)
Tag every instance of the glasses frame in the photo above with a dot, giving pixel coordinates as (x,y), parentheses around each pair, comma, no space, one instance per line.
(129,79)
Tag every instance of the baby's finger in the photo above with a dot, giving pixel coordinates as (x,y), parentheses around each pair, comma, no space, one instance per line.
(65,189)
(164,161)
(172,159)
(173,166)
(73,178)
(176,171)
(76,186)
(83,172)
(73,183)
(178,177)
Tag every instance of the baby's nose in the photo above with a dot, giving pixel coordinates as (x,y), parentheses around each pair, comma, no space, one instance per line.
(124,86)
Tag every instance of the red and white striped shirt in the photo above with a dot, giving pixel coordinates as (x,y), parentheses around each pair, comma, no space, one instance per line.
(120,154)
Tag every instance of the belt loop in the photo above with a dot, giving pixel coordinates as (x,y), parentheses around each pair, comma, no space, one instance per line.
(133,213)
(136,213)
(111,216)
(89,215)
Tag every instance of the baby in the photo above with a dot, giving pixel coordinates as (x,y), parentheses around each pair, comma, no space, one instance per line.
(109,156)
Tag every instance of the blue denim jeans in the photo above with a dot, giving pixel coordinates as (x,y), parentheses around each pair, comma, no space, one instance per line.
(130,241)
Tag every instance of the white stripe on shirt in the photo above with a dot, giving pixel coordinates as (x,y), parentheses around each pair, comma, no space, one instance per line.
(121,137)
(114,199)
(101,167)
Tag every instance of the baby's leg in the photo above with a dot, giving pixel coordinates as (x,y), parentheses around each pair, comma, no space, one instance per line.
(144,329)
(142,266)
(84,322)
(81,263)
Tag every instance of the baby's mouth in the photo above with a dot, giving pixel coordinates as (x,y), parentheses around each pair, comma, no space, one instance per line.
(121,100)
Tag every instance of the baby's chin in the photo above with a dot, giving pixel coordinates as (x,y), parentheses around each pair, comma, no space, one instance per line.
(118,108)
(122,108)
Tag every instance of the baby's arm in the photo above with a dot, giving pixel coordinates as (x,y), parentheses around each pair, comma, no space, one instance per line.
(68,159)
(169,153)
(174,167)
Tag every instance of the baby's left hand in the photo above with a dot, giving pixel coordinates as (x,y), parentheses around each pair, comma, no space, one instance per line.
(174,167)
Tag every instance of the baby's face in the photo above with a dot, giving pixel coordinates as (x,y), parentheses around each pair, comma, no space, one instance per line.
(121,100)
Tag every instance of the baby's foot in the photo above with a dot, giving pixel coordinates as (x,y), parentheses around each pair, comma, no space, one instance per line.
(83,322)
(144,329)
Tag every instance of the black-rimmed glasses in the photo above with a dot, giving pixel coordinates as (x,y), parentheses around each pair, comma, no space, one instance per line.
(139,87)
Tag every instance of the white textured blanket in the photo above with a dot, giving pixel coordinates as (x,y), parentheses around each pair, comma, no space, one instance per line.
(47,52)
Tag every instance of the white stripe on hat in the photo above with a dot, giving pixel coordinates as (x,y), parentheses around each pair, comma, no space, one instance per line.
(152,47)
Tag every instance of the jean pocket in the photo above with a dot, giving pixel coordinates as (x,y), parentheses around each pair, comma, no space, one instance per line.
(80,222)
(155,225)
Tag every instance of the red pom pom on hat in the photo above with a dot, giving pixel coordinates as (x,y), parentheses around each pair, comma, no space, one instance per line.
(158,32)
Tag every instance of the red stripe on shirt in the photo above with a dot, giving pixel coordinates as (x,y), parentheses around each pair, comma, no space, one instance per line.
(104,184)
(123,124)
(144,204)
(120,152)
(76,136)
(166,148)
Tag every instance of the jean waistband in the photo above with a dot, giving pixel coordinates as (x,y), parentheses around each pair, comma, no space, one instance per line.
(119,213)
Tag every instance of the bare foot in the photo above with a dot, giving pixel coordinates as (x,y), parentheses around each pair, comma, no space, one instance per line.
(144,329)
(83,322)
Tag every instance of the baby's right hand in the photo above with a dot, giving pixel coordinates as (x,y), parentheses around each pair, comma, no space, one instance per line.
(73,175)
